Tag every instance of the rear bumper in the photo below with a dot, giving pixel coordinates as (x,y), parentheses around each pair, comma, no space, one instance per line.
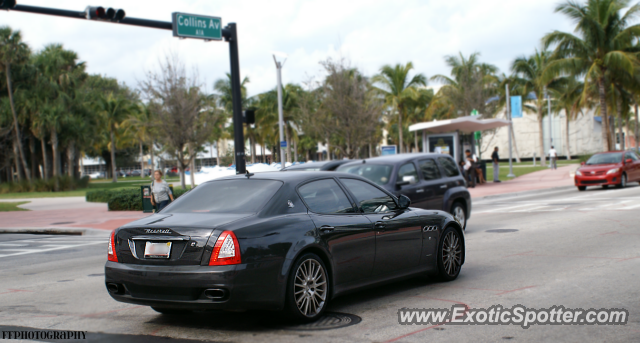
(609,180)
(245,286)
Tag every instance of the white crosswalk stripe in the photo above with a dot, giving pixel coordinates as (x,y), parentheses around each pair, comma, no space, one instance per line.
(35,246)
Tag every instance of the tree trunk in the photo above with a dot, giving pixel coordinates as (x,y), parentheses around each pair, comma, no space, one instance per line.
(567,136)
(295,151)
(541,135)
(15,123)
(415,139)
(192,165)
(328,150)
(34,163)
(370,152)
(400,140)
(153,158)
(16,159)
(56,153)
(620,133)
(113,155)
(141,160)
(45,160)
(603,114)
(71,158)
(637,129)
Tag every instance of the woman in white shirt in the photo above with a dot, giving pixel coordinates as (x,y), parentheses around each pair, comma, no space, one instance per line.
(160,191)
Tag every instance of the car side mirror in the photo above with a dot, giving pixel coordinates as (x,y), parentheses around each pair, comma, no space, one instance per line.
(582,163)
(404,202)
(628,160)
(407,180)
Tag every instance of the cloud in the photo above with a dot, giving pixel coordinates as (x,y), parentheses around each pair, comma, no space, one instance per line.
(370,33)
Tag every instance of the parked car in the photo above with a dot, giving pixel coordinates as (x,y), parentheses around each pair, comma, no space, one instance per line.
(613,168)
(278,241)
(318,166)
(135,172)
(97,175)
(431,181)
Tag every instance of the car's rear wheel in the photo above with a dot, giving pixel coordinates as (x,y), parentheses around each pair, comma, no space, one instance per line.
(623,181)
(582,188)
(308,288)
(458,212)
(165,310)
(449,255)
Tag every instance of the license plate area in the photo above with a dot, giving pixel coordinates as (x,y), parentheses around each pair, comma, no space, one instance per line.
(157,250)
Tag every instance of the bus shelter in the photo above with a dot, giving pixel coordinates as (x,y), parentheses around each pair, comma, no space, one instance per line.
(454,136)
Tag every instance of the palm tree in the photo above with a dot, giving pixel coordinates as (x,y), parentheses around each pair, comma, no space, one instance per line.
(114,109)
(568,97)
(140,126)
(14,51)
(604,44)
(396,87)
(529,78)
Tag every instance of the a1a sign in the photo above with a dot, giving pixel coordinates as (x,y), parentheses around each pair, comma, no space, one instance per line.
(197,26)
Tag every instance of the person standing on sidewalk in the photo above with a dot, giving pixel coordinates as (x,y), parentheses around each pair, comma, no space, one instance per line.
(553,156)
(470,168)
(495,158)
(160,191)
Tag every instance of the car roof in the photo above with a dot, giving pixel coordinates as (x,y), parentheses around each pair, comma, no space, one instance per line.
(306,165)
(289,177)
(394,159)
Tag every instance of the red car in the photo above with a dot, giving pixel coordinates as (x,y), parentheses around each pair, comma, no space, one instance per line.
(608,169)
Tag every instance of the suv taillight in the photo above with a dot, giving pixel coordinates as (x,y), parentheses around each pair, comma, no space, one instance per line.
(226,250)
(111,254)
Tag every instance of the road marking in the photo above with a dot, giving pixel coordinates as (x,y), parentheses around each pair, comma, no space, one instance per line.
(37,250)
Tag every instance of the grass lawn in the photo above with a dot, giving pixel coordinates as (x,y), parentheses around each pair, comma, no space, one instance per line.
(12,206)
(93,185)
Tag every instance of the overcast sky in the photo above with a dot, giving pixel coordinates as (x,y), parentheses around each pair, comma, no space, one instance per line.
(370,33)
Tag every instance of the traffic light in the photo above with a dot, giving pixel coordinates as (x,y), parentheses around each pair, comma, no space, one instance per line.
(108,14)
(249,117)
(7,4)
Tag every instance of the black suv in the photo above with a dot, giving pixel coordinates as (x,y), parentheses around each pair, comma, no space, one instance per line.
(431,181)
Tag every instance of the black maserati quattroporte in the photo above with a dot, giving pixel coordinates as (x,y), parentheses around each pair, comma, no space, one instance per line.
(279,241)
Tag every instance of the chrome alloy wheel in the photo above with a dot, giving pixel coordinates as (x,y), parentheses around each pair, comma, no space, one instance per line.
(451,253)
(458,213)
(310,288)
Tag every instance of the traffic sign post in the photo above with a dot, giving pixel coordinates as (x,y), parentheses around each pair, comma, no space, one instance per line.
(183,25)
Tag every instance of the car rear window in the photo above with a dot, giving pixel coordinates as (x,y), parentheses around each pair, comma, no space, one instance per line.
(605,158)
(226,196)
(377,173)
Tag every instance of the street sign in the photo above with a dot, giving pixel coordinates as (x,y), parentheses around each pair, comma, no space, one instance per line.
(196,26)
(283,144)
(388,150)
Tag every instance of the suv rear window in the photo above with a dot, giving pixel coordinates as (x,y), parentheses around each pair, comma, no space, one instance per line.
(377,173)
(226,196)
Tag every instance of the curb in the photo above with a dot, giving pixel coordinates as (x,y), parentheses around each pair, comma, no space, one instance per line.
(55,231)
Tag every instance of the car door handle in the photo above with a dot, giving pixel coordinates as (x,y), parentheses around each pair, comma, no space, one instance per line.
(419,190)
(326,228)
(443,186)
(379,226)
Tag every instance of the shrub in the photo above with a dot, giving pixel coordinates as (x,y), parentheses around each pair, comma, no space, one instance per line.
(123,199)
(64,182)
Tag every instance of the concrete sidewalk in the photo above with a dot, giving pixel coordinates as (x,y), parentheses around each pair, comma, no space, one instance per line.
(543,179)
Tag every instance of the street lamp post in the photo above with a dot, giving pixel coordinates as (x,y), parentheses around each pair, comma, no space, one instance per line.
(550,132)
(511,175)
(283,143)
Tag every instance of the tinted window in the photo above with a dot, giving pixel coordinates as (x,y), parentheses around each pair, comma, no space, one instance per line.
(376,173)
(631,155)
(407,170)
(226,196)
(429,169)
(370,199)
(325,196)
(450,168)
(605,158)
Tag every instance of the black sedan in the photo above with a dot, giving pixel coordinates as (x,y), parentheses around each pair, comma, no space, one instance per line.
(278,241)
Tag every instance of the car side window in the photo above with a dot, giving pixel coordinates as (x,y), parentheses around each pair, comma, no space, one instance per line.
(370,199)
(450,168)
(406,171)
(429,169)
(632,156)
(325,196)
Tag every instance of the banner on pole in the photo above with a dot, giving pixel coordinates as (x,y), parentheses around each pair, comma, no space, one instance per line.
(516,106)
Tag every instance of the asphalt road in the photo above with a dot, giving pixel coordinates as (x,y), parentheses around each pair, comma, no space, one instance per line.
(560,247)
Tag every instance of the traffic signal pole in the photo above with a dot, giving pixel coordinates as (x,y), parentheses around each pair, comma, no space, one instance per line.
(230,35)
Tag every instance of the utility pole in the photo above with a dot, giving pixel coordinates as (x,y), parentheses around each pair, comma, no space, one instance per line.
(283,143)
(549,115)
(511,175)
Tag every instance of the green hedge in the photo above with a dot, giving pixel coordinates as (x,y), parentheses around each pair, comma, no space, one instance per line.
(63,183)
(123,199)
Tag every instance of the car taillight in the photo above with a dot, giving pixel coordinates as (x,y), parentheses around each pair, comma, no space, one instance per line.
(111,255)
(226,250)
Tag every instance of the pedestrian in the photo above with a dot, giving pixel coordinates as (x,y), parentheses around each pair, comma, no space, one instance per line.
(553,156)
(470,168)
(495,158)
(160,191)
